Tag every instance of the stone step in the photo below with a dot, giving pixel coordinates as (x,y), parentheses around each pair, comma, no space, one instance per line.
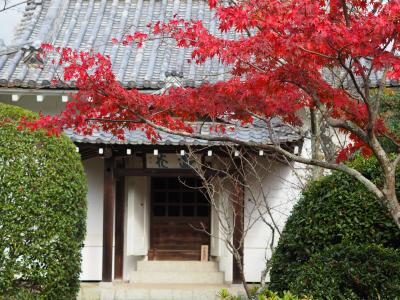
(177,266)
(177,277)
(128,291)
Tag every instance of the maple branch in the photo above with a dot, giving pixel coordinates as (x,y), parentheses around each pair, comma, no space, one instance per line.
(316,53)
(112,120)
(352,76)
(345,13)
(336,123)
(332,166)
(392,139)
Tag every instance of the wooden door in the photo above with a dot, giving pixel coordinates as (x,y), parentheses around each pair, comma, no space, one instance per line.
(180,213)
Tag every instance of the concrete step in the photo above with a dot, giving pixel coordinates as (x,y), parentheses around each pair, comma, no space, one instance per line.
(177,266)
(176,277)
(128,291)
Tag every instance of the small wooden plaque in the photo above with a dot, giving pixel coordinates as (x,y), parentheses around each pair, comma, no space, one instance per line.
(204,253)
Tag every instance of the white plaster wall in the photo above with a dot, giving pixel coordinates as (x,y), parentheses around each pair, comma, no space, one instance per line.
(281,189)
(137,222)
(218,246)
(92,250)
(51,105)
(225,262)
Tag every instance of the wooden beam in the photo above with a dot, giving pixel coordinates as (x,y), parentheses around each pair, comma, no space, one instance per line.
(108,218)
(119,228)
(156,172)
(238,206)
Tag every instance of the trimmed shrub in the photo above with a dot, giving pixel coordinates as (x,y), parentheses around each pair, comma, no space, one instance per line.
(336,209)
(43,212)
(351,273)
(259,294)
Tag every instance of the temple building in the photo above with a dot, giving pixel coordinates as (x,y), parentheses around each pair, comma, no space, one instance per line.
(144,200)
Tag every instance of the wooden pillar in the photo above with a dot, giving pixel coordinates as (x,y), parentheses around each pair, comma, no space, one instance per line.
(108,218)
(119,228)
(238,207)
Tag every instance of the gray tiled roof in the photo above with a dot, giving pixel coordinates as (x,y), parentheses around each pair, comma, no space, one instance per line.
(256,134)
(339,77)
(87,24)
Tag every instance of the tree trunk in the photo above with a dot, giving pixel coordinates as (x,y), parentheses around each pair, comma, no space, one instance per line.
(316,152)
(393,206)
(389,196)
(391,201)
(239,262)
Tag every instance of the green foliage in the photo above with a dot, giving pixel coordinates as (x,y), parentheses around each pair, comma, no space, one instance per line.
(259,294)
(350,273)
(43,212)
(390,111)
(336,209)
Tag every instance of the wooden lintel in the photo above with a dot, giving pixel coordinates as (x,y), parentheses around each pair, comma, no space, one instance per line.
(156,172)
(120,172)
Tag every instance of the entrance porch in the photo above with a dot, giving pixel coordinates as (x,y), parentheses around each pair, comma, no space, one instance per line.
(154,214)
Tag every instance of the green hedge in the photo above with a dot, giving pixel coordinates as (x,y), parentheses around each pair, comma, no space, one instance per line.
(43,212)
(336,209)
(350,273)
(259,294)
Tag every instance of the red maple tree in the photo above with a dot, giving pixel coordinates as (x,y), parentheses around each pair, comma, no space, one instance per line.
(332,59)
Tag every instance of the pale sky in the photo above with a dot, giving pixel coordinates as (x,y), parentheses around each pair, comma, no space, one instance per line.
(9,20)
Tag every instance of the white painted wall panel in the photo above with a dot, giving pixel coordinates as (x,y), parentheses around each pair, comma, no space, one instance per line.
(254,263)
(281,190)
(92,251)
(51,105)
(138,220)
(91,263)
(218,246)
(137,225)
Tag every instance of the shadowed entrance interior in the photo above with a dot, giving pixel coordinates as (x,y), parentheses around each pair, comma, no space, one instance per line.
(180,212)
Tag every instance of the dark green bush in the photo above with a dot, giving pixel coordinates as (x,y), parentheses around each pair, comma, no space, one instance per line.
(350,273)
(336,209)
(259,294)
(43,212)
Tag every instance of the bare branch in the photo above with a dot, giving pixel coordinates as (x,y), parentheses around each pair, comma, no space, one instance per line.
(5,7)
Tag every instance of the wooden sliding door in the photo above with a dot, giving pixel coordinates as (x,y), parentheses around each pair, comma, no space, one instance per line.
(180,213)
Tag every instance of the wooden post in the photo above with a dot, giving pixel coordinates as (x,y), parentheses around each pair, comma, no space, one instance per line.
(108,218)
(238,231)
(119,228)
